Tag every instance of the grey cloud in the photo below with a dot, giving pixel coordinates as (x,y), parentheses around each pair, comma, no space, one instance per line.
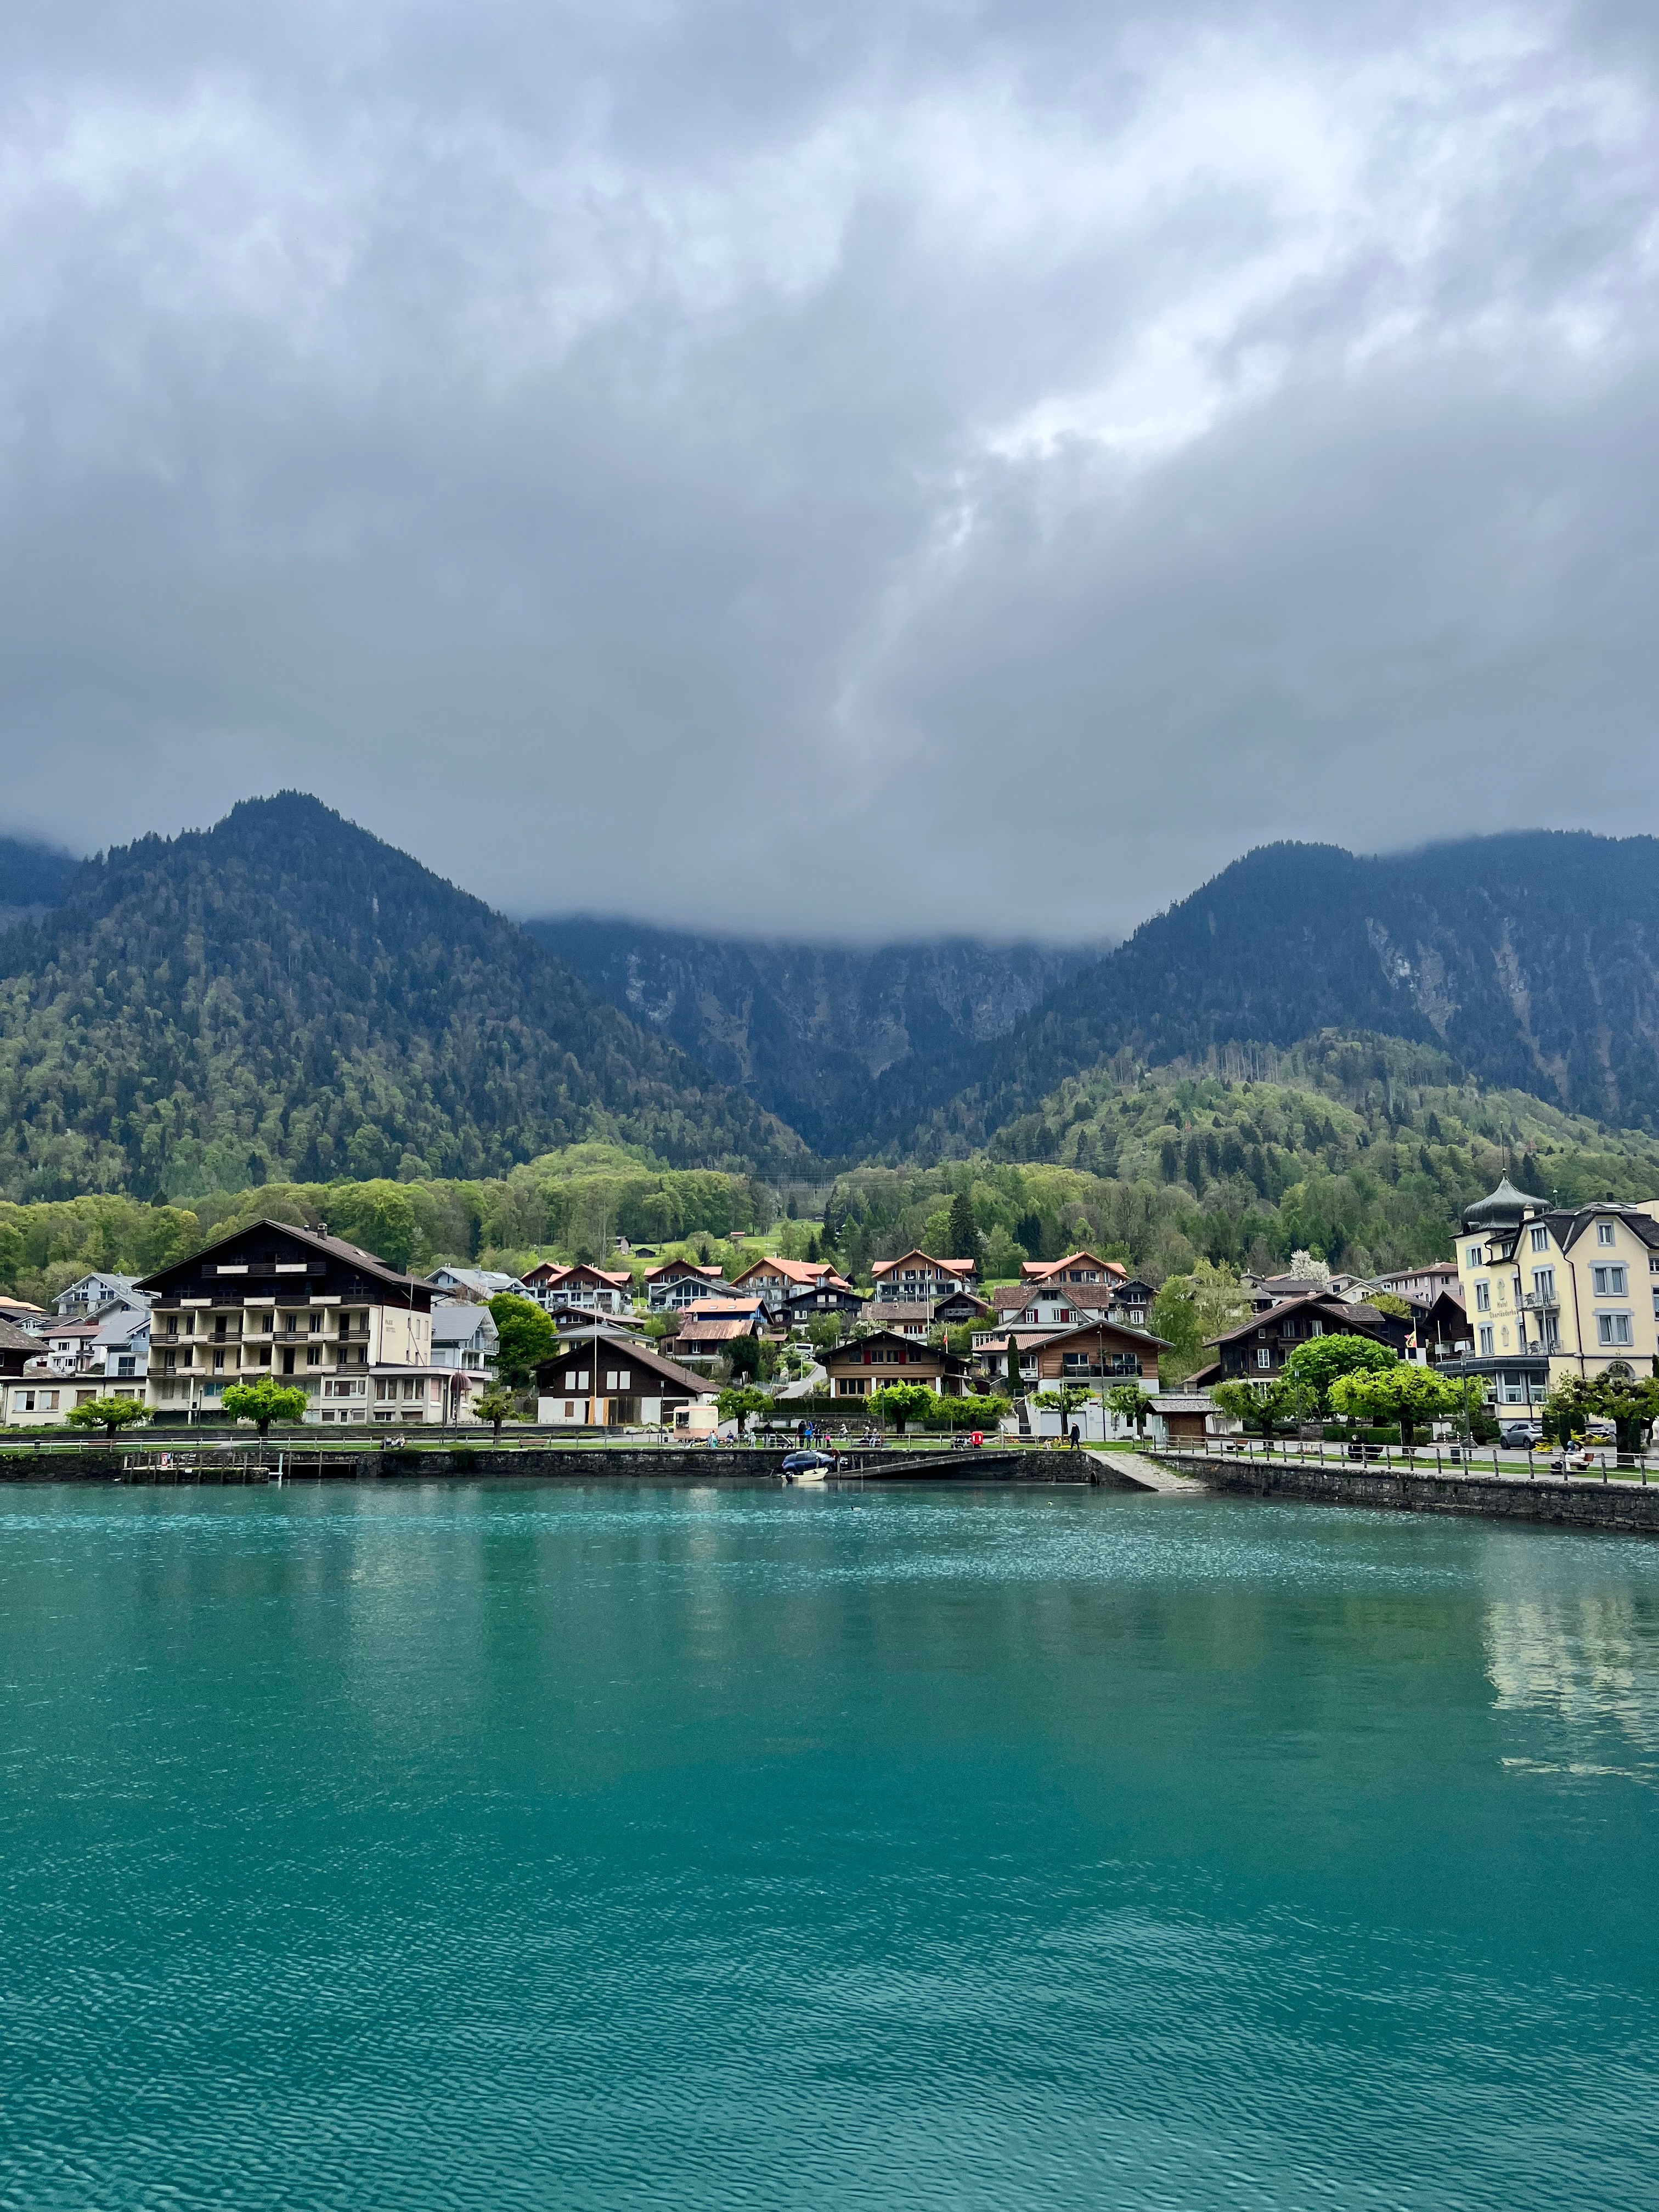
(859,469)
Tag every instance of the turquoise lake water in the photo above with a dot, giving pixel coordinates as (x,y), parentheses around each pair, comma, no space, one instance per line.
(621,1846)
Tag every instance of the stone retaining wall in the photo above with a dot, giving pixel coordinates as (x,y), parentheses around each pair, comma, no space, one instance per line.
(470,1462)
(1582,1505)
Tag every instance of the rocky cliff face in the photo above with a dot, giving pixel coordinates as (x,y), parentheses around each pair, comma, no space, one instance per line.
(1532,958)
(806,1029)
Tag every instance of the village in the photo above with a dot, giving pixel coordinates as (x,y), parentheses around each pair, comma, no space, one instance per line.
(669,1347)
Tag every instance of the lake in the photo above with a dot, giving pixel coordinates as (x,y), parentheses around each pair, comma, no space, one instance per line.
(617,1845)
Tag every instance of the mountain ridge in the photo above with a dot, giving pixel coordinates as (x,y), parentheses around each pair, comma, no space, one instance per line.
(808,1028)
(284,996)
(1532,958)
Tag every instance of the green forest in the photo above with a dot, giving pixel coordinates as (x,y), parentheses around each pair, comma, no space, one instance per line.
(284,997)
(1360,1150)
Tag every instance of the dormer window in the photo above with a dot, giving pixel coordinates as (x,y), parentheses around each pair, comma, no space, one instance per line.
(1604,1232)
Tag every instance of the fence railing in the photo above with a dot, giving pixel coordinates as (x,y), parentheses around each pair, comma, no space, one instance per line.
(1594,1463)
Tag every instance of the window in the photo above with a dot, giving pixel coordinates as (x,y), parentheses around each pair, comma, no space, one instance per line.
(218,1361)
(1486,1343)
(1543,1285)
(1541,1240)
(1610,1282)
(1604,1232)
(125,1363)
(313,1355)
(1264,1358)
(1483,1297)
(1475,1256)
(1612,1328)
(316,1322)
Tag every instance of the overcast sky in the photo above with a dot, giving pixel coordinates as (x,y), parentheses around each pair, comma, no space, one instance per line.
(847,468)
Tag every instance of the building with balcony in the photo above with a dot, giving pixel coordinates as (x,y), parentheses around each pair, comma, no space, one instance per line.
(308,1309)
(1553,1290)
(914,1276)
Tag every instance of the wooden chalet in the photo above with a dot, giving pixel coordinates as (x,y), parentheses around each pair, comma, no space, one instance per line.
(1255,1352)
(606,1382)
(869,1363)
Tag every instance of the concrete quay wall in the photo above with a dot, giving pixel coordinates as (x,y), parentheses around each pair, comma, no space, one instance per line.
(1628,1506)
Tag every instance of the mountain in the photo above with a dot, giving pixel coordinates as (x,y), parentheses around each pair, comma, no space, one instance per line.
(1532,960)
(284,997)
(33,878)
(805,1029)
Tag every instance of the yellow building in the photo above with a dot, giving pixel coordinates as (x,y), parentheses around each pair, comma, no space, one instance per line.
(1554,1291)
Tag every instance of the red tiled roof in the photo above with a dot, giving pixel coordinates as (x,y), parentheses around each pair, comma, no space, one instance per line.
(1043,1271)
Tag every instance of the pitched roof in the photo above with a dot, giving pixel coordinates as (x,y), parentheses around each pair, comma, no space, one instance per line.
(1040,1271)
(945,1267)
(1358,1321)
(1103,1326)
(548,1383)
(853,1350)
(13,1338)
(705,1267)
(334,1247)
(803,1272)
(704,1331)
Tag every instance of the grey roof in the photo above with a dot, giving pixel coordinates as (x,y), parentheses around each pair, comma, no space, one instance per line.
(13,1338)
(335,1247)
(454,1322)
(1501,1208)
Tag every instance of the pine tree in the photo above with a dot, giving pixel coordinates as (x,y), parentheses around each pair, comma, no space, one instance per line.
(964,1233)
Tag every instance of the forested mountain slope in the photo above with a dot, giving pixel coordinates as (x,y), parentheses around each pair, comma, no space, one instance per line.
(1532,960)
(285,997)
(34,878)
(806,1028)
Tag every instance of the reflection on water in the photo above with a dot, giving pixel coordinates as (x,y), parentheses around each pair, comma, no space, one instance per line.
(606,1847)
(1586,1657)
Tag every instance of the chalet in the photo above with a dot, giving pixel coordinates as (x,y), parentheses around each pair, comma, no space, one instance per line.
(677,1282)
(89,1294)
(913,1276)
(1132,1302)
(991,1349)
(597,1290)
(778,1280)
(477,1284)
(1098,1352)
(871,1363)
(1255,1352)
(1078,1271)
(913,1318)
(609,1383)
(1055,1306)
(958,1309)
(1440,1330)
(821,1298)
(708,1331)
(566,1318)
(309,1310)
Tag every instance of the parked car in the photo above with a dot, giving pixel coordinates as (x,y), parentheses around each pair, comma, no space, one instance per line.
(1520,1436)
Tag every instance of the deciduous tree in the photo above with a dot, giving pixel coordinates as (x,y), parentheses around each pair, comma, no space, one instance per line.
(108,1414)
(264,1402)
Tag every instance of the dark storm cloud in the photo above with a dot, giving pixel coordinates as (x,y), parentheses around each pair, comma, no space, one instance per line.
(854,469)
